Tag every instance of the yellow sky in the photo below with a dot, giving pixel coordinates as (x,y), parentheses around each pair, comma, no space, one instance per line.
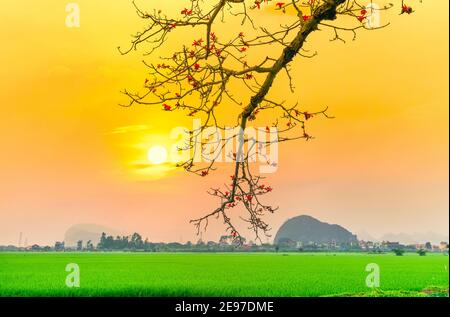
(380,166)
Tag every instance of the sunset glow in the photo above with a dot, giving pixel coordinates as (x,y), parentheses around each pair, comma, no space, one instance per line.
(157,154)
(72,153)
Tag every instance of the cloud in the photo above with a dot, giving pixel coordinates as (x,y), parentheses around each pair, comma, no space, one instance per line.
(129,129)
(141,165)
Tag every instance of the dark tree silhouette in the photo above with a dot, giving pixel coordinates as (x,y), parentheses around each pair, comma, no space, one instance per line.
(199,78)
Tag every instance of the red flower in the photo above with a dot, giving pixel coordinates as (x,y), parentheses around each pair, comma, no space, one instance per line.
(361,18)
(243,49)
(406,9)
(249,197)
(307,115)
(268,188)
(280,4)
(363,12)
(213,36)
(248,76)
(197,66)
(186,11)
(197,42)
(146,80)
(306,18)
(204,173)
(258,4)
(167,107)
(241,34)
(267,129)
(174,25)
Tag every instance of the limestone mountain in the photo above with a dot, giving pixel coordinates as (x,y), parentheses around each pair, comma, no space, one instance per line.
(307,229)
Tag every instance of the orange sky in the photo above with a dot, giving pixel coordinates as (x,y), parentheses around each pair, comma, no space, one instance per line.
(380,166)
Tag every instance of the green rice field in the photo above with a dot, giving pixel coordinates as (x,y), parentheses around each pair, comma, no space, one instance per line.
(222,274)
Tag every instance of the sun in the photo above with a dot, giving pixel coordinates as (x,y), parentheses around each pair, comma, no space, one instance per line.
(157,155)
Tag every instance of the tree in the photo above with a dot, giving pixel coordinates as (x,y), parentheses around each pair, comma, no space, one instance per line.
(398,252)
(136,241)
(102,243)
(79,245)
(422,252)
(89,245)
(200,77)
(59,246)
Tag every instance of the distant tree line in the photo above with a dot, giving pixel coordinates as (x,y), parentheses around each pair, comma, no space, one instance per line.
(133,242)
(136,243)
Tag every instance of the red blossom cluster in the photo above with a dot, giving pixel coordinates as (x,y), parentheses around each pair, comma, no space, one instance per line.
(197,42)
(362,17)
(307,115)
(258,3)
(264,188)
(186,12)
(162,66)
(407,9)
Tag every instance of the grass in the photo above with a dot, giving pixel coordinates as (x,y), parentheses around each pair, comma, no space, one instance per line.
(216,274)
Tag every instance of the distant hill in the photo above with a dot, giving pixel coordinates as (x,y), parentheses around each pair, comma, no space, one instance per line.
(87,232)
(366,236)
(308,229)
(414,238)
(405,238)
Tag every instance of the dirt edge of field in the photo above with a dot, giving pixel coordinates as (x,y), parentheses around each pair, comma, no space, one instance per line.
(432,291)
